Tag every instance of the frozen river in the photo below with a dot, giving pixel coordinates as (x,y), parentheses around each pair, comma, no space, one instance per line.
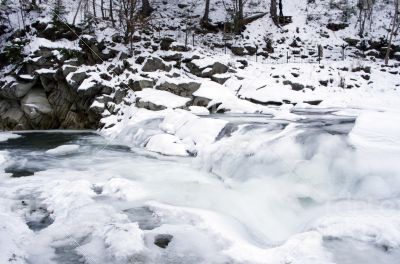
(266,191)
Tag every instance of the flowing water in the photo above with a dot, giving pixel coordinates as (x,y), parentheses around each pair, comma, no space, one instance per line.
(267,191)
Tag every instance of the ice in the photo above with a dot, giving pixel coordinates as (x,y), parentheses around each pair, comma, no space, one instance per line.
(4,136)
(63,150)
(167,144)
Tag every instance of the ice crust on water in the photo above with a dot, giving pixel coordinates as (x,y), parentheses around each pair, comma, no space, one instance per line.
(63,150)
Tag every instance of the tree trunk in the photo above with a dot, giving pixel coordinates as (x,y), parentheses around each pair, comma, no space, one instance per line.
(146,8)
(76,13)
(206,11)
(94,8)
(273,13)
(395,26)
(102,9)
(111,13)
(280,8)
(240,13)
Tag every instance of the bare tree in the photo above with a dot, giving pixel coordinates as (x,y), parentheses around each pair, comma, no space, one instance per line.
(394,28)
(77,11)
(235,10)
(365,8)
(130,19)
(189,19)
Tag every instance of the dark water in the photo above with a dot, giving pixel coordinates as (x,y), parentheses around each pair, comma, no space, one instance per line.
(28,152)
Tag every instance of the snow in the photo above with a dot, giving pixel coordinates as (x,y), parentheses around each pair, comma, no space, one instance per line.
(36,43)
(166,144)
(162,98)
(199,110)
(377,129)
(63,150)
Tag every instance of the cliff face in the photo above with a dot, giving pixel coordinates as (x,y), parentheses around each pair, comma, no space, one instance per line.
(40,89)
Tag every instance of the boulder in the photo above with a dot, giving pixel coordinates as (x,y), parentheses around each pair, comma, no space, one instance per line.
(139,85)
(295,86)
(220,78)
(15,89)
(165,43)
(336,26)
(251,49)
(207,70)
(351,41)
(238,51)
(172,57)
(75,79)
(155,64)
(11,116)
(185,89)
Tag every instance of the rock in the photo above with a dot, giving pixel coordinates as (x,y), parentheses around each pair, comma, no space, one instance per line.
(295,86)
(15,89)
(155,64)
(351,41)
(179,47)
(220,78)
(251,49)
(185,89)
(117,38)
(324,82)
(105,76)
(48,82)
(139,85)
(172,57)
(97,108)
(38,109)
(337,26)
(244,63)
(219,68)
(148,105)
(365,77)
(197,69)
(11,116)
(238,51)
(120,95)
(165,43)
(162,240)
(67,69)
(75,79)
(140,60)
(263,54)
(313,102)
(295,74)
(200,101)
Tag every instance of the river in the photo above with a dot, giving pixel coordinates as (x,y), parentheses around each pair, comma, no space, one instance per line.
(267,191)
